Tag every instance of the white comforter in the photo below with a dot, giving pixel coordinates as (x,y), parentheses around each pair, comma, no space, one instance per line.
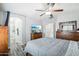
(51,47)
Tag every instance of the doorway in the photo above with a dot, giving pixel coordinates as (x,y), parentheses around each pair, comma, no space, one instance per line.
(49,30)
(16,26)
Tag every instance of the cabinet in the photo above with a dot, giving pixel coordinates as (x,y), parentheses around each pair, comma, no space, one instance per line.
(67,35)
(3,39)
(36,36)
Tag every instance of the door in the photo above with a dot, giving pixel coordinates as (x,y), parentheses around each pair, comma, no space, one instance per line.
(18,30)
(49,30)
(15,27)
(15,30)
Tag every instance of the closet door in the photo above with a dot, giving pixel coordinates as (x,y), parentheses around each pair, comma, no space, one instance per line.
(15,30)
(15,34)
(12,33)
(18,31)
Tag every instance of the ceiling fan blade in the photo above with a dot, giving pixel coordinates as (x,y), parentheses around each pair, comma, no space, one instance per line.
(42,14)
(40,10)
(43,10)
(58,10)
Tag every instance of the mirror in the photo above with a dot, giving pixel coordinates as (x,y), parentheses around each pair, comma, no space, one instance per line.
(68,26)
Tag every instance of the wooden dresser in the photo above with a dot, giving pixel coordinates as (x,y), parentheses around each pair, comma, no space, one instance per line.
(3,40)
(36,36)
(67,35)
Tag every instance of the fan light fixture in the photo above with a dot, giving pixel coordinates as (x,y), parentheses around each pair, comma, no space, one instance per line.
(48,13)
(52,8)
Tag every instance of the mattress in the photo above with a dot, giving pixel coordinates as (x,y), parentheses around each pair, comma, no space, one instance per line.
(51,47)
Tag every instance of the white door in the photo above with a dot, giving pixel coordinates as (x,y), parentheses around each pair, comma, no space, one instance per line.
(49,30)
(15,25)
(12,33)
(18,31)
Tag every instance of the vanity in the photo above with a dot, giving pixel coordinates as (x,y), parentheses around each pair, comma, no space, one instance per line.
(67,35)
(68,31)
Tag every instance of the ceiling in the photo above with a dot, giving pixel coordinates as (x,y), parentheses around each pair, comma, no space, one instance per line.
(28,9)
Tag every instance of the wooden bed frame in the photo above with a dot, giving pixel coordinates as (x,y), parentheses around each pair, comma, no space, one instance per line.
(28,54)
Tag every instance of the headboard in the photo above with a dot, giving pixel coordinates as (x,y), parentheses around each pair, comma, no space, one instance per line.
(68,34)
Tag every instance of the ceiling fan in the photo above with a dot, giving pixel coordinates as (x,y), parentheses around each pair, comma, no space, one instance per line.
(50,8)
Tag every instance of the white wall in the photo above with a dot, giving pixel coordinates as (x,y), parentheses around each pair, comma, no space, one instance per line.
(3,16)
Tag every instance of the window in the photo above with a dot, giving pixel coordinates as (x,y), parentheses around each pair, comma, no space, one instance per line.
(36,28)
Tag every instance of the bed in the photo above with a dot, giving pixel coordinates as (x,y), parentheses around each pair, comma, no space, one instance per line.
(52,47)
(65,44)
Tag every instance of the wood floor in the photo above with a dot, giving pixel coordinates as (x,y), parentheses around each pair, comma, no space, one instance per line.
(17,51)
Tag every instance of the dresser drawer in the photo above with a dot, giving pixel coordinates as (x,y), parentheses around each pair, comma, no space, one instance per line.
(68,35)
(36,36)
